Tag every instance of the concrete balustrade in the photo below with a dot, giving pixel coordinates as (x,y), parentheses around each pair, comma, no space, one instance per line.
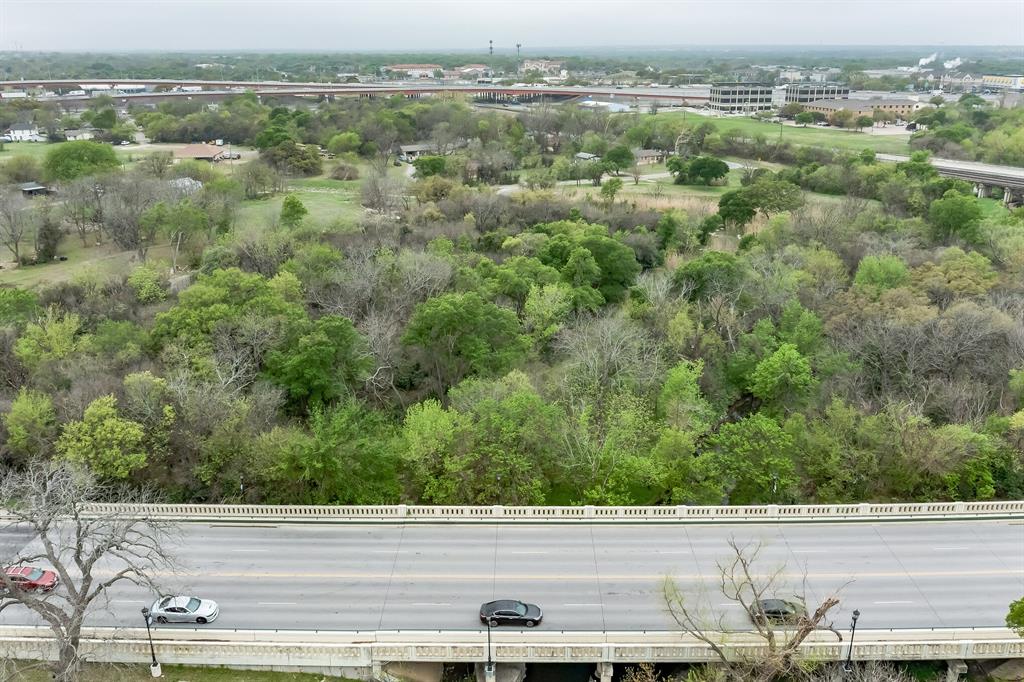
(356,654)
(442,513)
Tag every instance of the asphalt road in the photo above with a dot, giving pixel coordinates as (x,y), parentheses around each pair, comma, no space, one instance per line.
(585,577)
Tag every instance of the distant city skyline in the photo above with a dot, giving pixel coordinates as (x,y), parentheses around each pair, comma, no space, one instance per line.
(445,25)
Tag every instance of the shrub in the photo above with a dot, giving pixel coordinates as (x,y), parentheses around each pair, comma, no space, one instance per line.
(148,284)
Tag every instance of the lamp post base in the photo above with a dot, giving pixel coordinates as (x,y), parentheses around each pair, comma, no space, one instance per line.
(154,670)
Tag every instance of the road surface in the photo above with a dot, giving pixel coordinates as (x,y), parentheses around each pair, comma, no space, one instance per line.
(585,576)
(995,174)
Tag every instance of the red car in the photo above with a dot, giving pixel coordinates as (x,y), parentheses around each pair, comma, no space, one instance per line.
(31,579)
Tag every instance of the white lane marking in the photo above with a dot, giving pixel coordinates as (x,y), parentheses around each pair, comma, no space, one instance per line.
(673,551)
(893,602)
(127,601)
(275,603)
(581,604)
(430,603)
(250,550)
(526,552)
(732,603)
(388,551)
(938,549)
(809,551)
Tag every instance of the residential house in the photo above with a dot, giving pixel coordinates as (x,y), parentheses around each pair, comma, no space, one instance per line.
(547,67)
(72,134)
(411,152)
(413,70)
(24,132)
(200,152)
(648,157)
(586,156)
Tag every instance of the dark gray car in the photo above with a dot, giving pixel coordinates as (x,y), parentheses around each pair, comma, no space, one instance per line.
(510,612)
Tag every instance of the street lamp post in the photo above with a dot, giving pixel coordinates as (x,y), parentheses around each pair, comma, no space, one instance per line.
(848,666)
(489,675)
(154,667)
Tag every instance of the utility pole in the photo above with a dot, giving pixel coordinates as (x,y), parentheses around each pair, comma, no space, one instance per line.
(491,48)
(518,45)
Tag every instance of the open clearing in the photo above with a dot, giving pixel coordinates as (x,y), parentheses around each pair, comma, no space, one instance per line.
(834,138)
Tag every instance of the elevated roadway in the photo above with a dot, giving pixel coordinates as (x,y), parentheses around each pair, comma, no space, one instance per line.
(586,576)
(159,90)
(983,174)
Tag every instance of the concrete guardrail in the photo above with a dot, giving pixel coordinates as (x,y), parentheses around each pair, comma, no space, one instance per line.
(350,653)
(446,513)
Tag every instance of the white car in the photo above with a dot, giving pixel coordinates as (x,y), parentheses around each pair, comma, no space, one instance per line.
(184,610)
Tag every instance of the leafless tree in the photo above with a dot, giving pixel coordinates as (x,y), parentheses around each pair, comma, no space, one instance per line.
(383,194)
(15,221)
(89,550)
(605,352)
(82,207)
(742,583)
(157,163)
(124,201)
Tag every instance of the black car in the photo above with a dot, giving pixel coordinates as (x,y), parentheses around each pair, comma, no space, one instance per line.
(510,612)
(779,611)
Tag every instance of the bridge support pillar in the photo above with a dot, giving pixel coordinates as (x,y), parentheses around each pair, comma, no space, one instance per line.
(954,669)
(981,190)
(604,672)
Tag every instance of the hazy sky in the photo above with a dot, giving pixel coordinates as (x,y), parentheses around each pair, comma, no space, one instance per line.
(352,25)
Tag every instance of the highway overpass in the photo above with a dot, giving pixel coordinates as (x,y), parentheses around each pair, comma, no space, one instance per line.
(362,586)
(160,90)
(984,176)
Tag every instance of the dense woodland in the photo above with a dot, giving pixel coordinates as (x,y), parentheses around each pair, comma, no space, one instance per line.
(459,345)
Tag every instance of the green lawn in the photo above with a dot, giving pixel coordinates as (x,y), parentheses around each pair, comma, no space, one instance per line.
(104,260)
(329,202)
(834,138)
(180,673)
(37,150)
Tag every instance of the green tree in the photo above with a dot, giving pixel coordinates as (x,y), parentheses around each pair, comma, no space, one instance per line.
(347,457)
(344,143)
(111,446)
(881,272)
(610,189)
(714,273)
(955,215)
(771,195)
(31,425)
(754,457)
(680,402)
(704,170)
(462,334)
(865,121)
(75,159)
(18,306)
(105,119)
(804,117)
(783,377)
(324,361)
(495,444)
(428,166)
(53,337)
(1015,618)
(619,157)
(736,207)
(292,211)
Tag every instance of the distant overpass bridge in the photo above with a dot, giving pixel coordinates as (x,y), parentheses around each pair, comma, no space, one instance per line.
(984,176)
(349,589)
(160,90)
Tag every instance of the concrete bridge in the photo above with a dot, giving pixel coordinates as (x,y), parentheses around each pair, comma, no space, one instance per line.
(349,590)
(984,176)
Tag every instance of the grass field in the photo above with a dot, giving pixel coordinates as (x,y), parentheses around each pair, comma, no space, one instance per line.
(834,138)
(179,673)
(329,202)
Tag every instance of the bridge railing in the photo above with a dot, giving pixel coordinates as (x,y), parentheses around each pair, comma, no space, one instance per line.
(326,650)
(441,513)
